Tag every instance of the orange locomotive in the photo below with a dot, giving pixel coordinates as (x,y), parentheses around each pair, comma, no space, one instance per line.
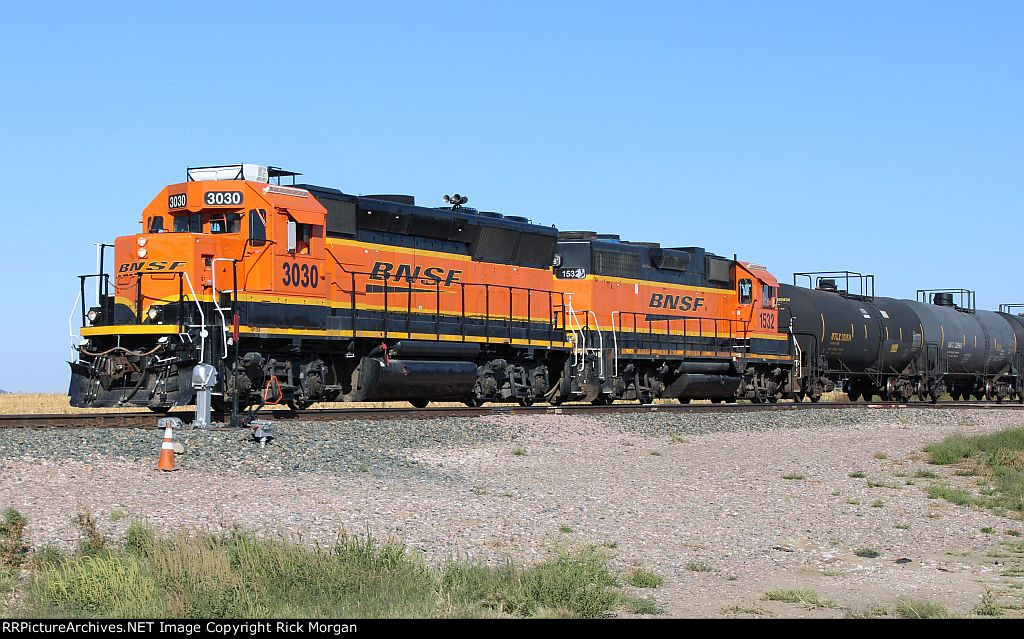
(297,293)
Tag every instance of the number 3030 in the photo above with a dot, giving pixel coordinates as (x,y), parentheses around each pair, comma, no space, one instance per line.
(301,275)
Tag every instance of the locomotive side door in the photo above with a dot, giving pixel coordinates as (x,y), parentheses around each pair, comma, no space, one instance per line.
(299,254)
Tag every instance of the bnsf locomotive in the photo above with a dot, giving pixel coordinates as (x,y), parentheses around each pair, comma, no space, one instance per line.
(296,294)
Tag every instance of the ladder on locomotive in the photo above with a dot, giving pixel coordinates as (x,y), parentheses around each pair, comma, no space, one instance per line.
(580,330)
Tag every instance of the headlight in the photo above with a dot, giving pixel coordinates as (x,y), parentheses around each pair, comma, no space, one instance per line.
(154,312)
(142,241)
(142,252)
(92,315)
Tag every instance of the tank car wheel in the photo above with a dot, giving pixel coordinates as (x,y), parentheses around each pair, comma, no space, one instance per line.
(160,410)
(646,399)
(474,402)
(814,398)
(526,402)
(717,400)
(799,397)
(419,403)
(868,396)
(853,396)
(683,400)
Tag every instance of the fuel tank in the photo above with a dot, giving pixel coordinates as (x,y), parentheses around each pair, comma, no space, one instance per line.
(394,380)
(852,334)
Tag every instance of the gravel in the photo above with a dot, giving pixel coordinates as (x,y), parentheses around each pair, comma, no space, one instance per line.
(663,491)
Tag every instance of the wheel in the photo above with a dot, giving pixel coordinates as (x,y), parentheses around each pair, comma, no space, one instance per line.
(853,395)
(474,402)
(602,400)
(814,398)
(161,410)
(798,397)
(868,396)
(556,401)
(717,400)
(525,401)
(646,399)
(756,400)
(773,399)
(683,400)
(419,403)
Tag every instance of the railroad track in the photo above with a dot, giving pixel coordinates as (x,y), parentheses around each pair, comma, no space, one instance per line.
(147,419)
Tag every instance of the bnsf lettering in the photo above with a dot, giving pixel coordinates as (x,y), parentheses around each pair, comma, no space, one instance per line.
(148,267)
(412,274)
(676,302)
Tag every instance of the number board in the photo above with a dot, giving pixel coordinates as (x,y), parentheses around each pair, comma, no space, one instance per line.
(223,198)
(571,273)
(177,201)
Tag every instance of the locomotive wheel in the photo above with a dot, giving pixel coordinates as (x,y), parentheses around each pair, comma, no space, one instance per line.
(602,400)
(798,397)
(525,401)
(683,400)
(853,396)
(868,395)
(556,401)
(419,403)
(716,401)
(646,399)
(756,400)
(814,398)
(161,410)
(474,402)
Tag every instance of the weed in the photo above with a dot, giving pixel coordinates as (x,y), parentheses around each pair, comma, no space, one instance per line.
(858,474)
(644,578)
(809,598)
(698,566)
(793,476)
(917,609)
(12,539)
(867,553)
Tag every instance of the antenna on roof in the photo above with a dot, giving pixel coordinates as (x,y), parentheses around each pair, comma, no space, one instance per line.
(455,200)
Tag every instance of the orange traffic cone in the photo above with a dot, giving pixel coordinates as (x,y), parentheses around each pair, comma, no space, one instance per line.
(167,451)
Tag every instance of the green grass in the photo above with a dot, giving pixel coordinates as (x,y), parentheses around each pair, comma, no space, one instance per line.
(925,474)
(241,575)
(519,452)
(917,609)
(641,578)
(809,598)
(735,610)
(880,456)
(988,530)
(655,453)
(565,529)
(12,539)
(903,526)
(858,474)
(878,503)
(698,566)
(989,606)
(998,456)
(867,553)
(642,606)
(793,476)
(957,496)
(1013,533)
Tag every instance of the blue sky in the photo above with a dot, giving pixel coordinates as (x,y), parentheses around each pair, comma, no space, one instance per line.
(884,137)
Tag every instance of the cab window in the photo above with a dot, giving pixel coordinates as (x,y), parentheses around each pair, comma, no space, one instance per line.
(226,223)
(303,236)
(767,296)
(746,291)
(258,227)
(188,223)
(156,224)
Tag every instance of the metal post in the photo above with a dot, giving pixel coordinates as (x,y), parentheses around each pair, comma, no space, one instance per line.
(204,378)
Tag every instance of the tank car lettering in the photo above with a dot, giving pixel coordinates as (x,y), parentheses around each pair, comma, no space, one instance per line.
(842,337)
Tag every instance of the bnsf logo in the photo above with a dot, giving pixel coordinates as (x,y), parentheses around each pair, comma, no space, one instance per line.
(149,267)
(677,302)
(411,274)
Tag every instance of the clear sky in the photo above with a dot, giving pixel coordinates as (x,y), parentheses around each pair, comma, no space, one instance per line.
(884,137)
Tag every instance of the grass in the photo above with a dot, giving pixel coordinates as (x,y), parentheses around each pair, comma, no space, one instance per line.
(988,530)
(698,566)
(880,456)
(867,553)
(925,474)
(519,452)
(957,496)
(809,598)
(918,609)
(238,575)
(1013,533)
(858,474)
(643,606)
(878,503)
(735,610)
(12,539)
(565,529)
(641,578)
(655,453)
(989,606)
(793,476)
(999,456)
(903,526)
